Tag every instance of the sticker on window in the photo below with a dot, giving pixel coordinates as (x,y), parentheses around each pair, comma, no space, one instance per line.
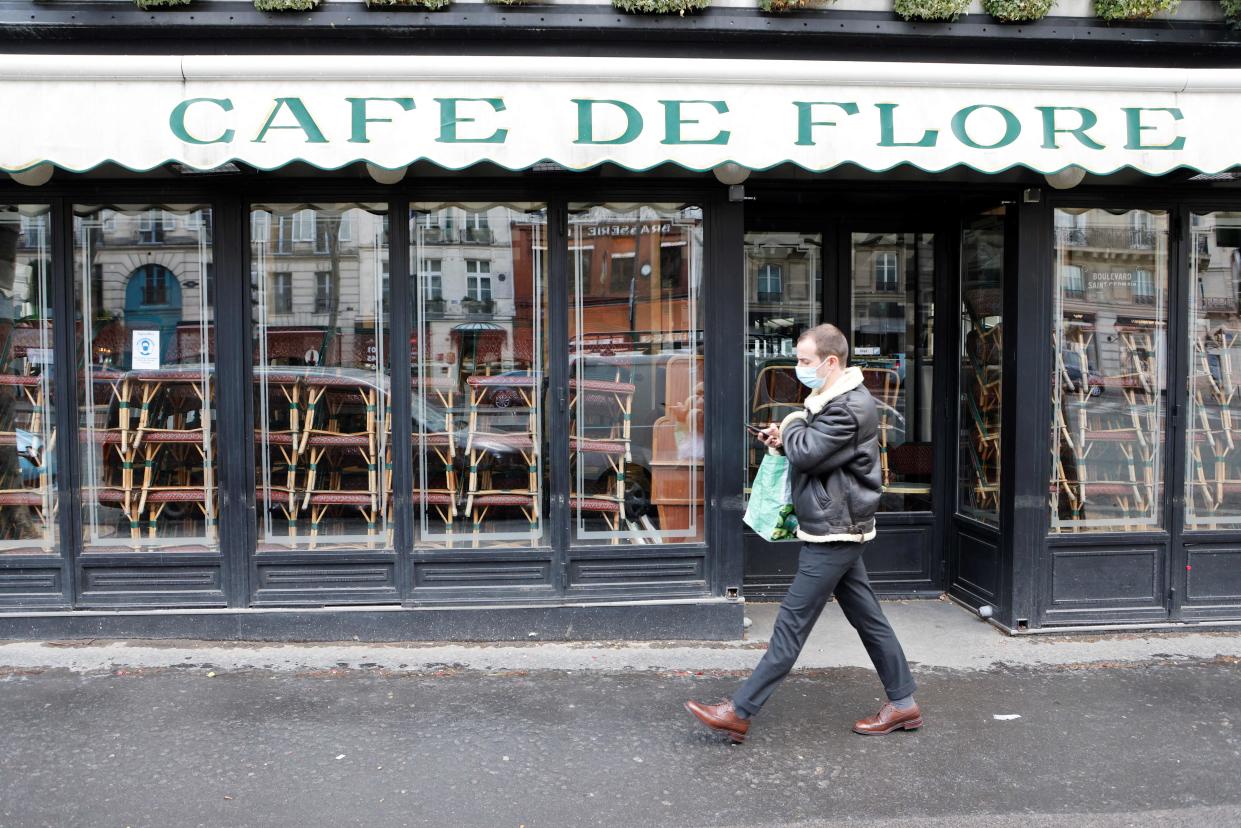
(146,350)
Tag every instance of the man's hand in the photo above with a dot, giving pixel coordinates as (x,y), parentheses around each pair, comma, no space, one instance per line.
(771,436)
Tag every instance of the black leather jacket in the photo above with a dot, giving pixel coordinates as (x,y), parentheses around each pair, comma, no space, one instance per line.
(834,471)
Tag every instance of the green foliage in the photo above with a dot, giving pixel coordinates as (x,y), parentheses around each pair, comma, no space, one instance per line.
(1232,11)
(660,6)
(1017,11)
(430,5)
(777,6)
(155,4)
(1133,9)
(285,5)
(931,9)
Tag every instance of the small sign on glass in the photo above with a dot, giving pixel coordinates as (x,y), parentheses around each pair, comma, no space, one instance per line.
(146,350)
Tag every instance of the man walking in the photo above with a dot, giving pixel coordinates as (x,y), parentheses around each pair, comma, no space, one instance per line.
(833,452)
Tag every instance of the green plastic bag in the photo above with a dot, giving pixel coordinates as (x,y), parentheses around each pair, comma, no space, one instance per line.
(770,509)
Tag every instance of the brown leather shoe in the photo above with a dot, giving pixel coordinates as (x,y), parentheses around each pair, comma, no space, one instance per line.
(889,718)
(721,716)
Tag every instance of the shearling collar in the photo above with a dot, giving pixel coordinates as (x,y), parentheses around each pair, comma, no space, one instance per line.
(851,378)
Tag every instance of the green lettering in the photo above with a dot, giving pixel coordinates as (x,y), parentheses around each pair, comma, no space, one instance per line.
(449,120)
(299,112)
(1135,128)
(176,121)
(887,130)
(1012,127)
(1050,130)
(586,121)
(674,120)
(360,119)
(806,122)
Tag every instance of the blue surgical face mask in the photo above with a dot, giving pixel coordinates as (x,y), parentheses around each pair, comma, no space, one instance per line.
(808,375)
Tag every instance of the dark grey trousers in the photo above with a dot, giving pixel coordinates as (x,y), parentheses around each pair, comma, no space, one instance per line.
(825,569)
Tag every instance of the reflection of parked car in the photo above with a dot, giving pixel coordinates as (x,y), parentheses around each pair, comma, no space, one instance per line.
(1073,374)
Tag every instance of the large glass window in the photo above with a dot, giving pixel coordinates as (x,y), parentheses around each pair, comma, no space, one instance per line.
(479,357)
(893,344)
(27,417)
(790,262)
(146,378)
(1110,377)
(1213,467)
(982,345)
(322,423)
(636,385)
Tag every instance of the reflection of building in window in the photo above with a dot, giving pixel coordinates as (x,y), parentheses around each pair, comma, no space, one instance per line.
(282,292)
(323,291)
(1143,287)
(477,228)
(432,280)
(620,273)
(153,224)
(887,277)
(154,285)
(671,257)
(1141,230)
(1073,281)
(478,280)
(303,225)
(770,283)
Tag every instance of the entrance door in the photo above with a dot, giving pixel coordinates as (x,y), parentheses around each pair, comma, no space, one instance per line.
(882,285)
(783,289)
(892,285)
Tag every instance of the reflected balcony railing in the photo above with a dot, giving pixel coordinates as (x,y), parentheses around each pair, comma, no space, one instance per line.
(1110,238)
(478,307)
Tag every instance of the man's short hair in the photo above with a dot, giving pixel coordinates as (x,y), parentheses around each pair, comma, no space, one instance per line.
(828,341)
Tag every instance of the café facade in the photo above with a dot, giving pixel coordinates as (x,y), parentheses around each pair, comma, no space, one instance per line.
(310,343)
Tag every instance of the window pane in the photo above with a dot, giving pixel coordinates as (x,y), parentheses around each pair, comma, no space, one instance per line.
(321,379)
(982,341)
(1213,468)
(27,418)
(480,479)
(893,327)
(636,374)
(773,324)
(146,379)
(1109,383)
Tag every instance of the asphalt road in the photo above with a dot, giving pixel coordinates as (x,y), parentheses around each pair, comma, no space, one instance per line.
(1155,743)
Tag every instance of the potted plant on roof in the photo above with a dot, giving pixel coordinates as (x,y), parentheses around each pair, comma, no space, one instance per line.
(1232,11)
(429,5)
(777,6)
(1133,9)
(285,5)
(931,9)
(1017,11)
(680,7)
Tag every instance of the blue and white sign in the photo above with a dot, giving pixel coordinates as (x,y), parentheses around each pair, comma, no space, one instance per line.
(146,349)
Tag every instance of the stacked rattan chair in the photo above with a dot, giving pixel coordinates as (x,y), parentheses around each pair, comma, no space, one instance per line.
(340,444)
(1214,450)
(173,441)
(602,423)
(27,497)
(1109,427)
(503,431)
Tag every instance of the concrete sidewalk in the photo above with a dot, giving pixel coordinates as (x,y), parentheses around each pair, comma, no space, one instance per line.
(935,634)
